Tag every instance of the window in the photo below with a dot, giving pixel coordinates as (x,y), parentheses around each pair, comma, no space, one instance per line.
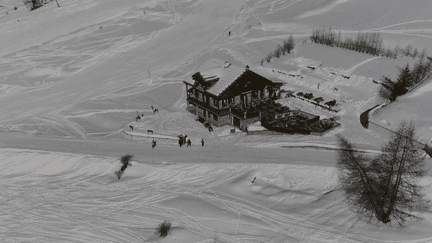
(200,96)
(216,103)
(224,103)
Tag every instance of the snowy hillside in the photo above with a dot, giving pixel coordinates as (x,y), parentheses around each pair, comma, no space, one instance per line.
(74,78)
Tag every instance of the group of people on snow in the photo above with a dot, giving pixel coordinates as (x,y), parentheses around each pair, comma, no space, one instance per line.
(181,142)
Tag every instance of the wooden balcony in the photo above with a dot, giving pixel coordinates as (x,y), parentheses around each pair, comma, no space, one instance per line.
(195,101)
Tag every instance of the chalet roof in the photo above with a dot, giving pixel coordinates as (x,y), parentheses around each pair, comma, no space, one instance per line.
(223,73)
(227,74)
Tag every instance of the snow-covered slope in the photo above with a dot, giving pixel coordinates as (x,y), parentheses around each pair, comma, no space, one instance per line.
(60,197)
(84,71)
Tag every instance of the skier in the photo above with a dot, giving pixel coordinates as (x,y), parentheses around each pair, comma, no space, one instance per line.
(180,142)
(202,142)
(153,144)
(189,143)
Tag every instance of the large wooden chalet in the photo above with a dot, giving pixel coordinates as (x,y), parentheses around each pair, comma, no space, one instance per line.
(213,94)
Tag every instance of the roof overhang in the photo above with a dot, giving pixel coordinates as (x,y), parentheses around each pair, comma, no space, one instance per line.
(186,82)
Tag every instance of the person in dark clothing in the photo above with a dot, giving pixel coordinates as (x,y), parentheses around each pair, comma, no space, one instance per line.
(153,143)
(202,142)
(189,143)
(180,142)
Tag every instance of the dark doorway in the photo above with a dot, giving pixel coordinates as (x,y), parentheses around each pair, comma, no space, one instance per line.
(236,122)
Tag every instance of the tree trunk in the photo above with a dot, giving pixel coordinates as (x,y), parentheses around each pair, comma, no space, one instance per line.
(383,217)
(58,5)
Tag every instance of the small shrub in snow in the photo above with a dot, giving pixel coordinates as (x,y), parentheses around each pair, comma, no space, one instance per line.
(269,57)
(125,160)
(163,229)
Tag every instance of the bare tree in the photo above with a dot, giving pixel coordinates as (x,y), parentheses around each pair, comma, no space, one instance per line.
(414,53)
(407,51)
(279,51)
(290,44)
(58,5)
(385,187)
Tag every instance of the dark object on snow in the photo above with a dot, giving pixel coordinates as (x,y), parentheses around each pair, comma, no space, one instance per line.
(208,126)
(189,143)
(319,99)
(153,144)
(131,128)
(125,161)
(253,180)
(163,229)
(182,139)
(150,131)
(200,119)
(154,110)
(330,103)
(202,142)
(308,96)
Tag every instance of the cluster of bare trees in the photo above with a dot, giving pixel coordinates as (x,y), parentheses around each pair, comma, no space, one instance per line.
(407,79)
(34,4)
(366,42)
(287,46)
(370,43)
(385,187)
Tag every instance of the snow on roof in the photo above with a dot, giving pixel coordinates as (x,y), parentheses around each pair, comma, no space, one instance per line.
(227,77)
(215,68)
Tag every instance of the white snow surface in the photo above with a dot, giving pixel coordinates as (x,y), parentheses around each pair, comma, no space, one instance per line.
(60,197)
(84,71)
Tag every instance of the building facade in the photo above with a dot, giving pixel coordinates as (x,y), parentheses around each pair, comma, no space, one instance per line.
(214,95)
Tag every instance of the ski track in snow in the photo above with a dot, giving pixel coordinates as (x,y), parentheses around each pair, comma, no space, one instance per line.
(56,197)
(60,197)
